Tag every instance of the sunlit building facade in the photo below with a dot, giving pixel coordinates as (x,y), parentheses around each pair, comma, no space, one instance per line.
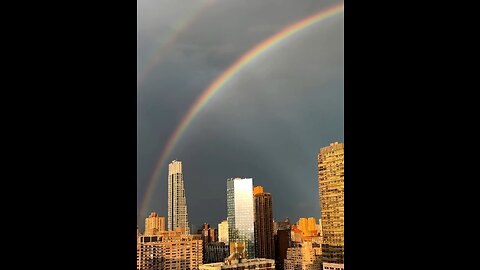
(306,230)
(237,261)
(296,235)
(304,256)
(169,251)
(257,264)
(223,231)
(331,191)
(154,224)
(177,202)
(241,214)
(333,266)
(308,226)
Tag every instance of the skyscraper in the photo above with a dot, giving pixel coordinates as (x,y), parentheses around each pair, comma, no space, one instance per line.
(240,214)
(154,224)
(263,224)
(331,189)
(177,202)
(223,231)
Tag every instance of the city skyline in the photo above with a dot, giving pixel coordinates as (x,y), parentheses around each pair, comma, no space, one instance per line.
(255,188)
(252,232)
(267,122)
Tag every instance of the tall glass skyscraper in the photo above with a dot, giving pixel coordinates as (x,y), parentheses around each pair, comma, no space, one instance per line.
(177,203)
(241,214)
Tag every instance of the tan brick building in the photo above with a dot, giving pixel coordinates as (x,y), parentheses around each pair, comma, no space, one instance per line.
(154,224)
(303,257)
(169,251)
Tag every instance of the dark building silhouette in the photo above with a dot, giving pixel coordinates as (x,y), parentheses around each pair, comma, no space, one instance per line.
(215,252)
(281,225)
(282,242)
(264,244)
(209,236)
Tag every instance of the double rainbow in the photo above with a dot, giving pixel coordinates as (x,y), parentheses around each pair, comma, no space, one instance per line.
(221,80)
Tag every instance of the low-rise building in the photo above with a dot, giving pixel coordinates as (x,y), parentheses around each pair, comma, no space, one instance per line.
(237,261)
(304,256)
(215,252)
(333,266)
(169,251)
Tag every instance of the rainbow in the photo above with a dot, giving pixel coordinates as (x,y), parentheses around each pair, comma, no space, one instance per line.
(221,80)
(159,54)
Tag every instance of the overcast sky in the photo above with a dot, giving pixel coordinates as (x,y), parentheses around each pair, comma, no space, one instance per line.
(267,123)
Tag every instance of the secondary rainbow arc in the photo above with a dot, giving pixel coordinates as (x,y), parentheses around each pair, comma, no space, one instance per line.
(221,80)
(171,40)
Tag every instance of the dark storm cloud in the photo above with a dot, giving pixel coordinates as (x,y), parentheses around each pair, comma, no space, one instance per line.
(267,123)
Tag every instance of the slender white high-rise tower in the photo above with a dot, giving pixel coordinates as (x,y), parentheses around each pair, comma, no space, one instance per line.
(177,202)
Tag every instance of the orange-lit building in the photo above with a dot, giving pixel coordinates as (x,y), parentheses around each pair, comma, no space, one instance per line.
(170,250)
(296,234)
(154,224)
(306,230)
(331,192)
